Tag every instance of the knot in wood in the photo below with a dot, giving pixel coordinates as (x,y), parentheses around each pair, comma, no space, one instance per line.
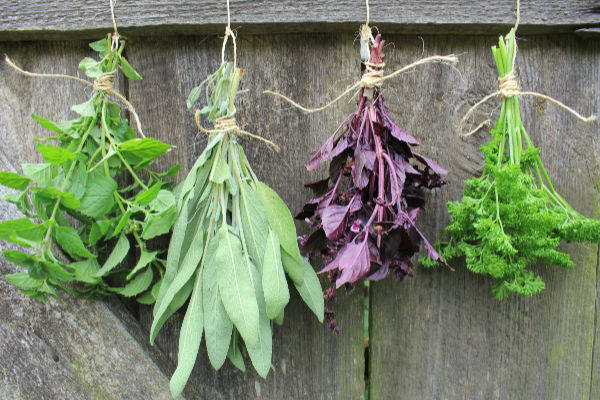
(508,86)
(105,82)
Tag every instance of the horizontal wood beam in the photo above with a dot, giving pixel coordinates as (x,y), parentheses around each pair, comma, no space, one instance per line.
(83,19)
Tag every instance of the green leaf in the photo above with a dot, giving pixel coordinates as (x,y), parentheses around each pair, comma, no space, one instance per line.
(217,325)
(160,224)
(116,256)
(138,285)
(221,171)
(146,149)
(188,266)
(178,301)
(39,173)
(70,241)
(254,224)
(311,292)
(193,97)
(46,123)
(146,299)
(146,196)
(294,266)
(86,109)
(122,222)
(235,286)
(55,155)
(92,68)
(99,198)
(23,280)
(261,354)
(189,339)
(66,199)
(85,270)
(279,319)
(12,180)
(128,71)
(274,284)
(78,181)
(146,257)
(280,218)
(23,232)
(171,172)
(234,354)
(101,46)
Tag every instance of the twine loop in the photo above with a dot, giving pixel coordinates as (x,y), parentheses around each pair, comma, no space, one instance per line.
(105,82)
(508,86)
(374,76)
(228,124)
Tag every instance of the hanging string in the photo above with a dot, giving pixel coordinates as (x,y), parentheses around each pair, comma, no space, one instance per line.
(509,87)
(228,123)
(104,83)
(229,33)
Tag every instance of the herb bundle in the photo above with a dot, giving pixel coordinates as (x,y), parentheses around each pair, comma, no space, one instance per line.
(232,244)
(74,207)
(365,212)
(511,216)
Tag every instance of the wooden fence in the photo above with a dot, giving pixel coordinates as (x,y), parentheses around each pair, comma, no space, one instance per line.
(439,335)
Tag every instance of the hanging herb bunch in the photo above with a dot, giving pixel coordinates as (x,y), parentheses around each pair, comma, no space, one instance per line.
(364,215)
(78,218)
(233,243)
(512,216)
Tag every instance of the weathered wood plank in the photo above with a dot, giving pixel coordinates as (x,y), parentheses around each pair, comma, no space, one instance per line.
(25,20)
(442,334)
(73,348)
(309,361)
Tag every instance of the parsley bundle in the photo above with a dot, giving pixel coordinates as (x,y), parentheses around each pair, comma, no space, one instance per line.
(511,216)
(232,244)
(365,210)
(74,207)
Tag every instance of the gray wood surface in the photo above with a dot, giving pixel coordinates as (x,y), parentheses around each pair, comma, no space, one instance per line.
(442,335)
(72,348)
(308,360)
(43,19)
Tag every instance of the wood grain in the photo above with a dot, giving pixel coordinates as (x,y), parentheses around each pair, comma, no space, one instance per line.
(309,361)
(43,20)
(71,348)
(442,335)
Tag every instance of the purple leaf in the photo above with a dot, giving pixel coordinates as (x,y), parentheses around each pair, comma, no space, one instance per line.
(435,167)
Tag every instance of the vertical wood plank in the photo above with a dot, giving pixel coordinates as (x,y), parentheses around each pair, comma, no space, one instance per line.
(442,334)
(309,361)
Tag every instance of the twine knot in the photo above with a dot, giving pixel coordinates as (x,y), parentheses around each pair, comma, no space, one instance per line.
(227,124)
(508,86)
(373,77)
(105,82)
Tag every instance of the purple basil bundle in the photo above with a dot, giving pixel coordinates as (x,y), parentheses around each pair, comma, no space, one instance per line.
(365,210)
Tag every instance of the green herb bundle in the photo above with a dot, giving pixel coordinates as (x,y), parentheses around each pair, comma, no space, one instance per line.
(511,216)
(232,244)
(77,216)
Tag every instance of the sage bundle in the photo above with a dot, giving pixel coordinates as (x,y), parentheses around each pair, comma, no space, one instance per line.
(512,216)
(84,203)
(233,244)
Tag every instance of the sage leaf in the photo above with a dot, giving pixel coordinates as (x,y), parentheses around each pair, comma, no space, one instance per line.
(189,339)
(254,223)
(274,284)
(178,300)
(235,286)
(234,354)
(293,266)
(280,218)
(261,354)
(217,325)
(311,292)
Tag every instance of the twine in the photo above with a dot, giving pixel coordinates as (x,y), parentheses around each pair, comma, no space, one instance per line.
(229,33)
(228,124)
(368,80)
(508,87)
